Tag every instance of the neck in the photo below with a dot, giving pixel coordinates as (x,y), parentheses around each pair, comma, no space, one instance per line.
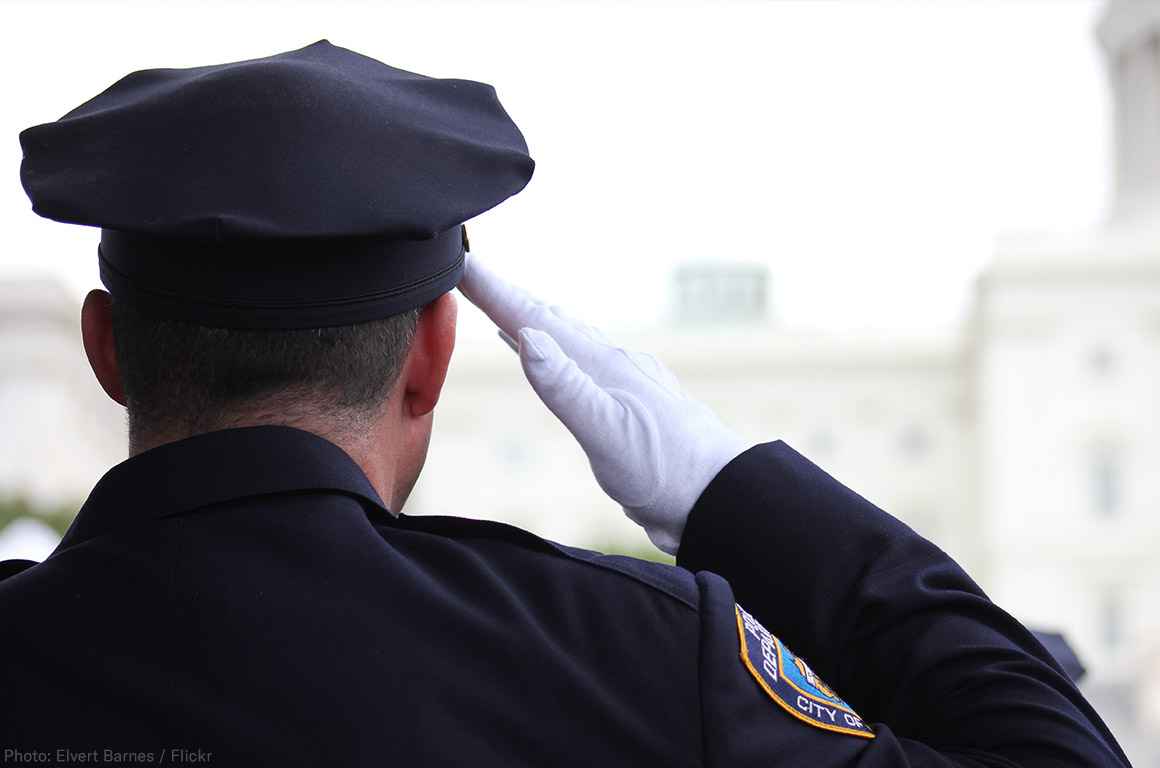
(371,447)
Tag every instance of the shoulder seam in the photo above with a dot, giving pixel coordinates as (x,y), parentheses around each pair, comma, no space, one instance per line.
(612,566)
(437,524)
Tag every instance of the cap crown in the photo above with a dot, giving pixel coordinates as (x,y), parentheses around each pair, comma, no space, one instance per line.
(317,142)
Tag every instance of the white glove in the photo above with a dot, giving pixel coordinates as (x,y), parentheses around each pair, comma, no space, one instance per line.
(652,449)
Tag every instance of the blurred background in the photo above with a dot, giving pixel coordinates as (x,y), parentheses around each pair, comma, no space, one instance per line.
(917,241)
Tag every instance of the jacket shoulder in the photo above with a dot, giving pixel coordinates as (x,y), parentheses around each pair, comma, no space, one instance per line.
(671,580)
(668,581)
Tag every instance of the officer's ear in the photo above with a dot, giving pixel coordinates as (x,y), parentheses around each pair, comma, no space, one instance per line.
(424,372)
(97,333)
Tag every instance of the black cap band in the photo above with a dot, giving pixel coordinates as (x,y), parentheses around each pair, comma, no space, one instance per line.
(258,283)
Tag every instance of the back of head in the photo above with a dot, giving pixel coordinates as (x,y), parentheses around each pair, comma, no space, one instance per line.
(182,378)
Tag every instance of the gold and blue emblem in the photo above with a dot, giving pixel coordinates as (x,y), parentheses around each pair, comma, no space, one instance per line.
(791,683)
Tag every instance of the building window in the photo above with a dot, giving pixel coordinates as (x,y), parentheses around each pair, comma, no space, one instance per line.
(1111,618)
(1101,361)
(914,442)
(1106,479)
(821,443)
(713,294)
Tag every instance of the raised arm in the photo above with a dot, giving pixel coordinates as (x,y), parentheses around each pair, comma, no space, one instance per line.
(898,628)
(940,674)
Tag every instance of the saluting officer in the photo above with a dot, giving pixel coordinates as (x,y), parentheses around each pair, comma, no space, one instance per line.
(279,239)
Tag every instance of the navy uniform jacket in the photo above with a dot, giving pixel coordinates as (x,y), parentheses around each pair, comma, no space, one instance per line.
(245,596)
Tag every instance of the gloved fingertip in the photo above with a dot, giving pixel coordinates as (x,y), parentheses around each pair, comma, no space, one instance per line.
(477,282)
(531,348)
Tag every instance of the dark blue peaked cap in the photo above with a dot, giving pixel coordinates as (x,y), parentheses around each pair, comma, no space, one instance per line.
(312,188)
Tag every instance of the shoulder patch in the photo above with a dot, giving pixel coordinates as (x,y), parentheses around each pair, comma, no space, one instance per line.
(791,683)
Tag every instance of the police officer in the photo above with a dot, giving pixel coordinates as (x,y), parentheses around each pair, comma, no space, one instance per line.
(279,240)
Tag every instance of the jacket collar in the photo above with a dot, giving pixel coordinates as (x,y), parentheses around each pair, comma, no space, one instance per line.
(217,467)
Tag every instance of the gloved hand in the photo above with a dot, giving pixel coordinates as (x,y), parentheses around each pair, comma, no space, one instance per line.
(652,449)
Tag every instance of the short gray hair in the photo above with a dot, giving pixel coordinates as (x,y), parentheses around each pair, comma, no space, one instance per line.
(183,378)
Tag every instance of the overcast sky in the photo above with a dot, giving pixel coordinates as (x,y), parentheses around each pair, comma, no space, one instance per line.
(868,152)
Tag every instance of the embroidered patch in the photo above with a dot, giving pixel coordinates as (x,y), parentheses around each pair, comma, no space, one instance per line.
(791,683)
